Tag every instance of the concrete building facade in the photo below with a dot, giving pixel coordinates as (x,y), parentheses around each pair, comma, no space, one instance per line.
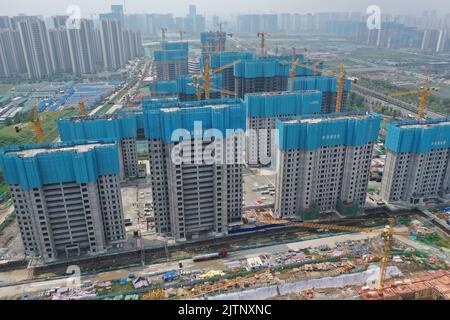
(328,86)
(67,198)
(36,48)
(263,109)
(323,164)
(194,198)
(121,129)
(172,60)
(417,161)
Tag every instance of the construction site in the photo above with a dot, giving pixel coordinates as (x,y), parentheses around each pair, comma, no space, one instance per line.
(192,231)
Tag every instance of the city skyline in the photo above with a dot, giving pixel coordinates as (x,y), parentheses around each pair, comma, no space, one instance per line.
(181,7)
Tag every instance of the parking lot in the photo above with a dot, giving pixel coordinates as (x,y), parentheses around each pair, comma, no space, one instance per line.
(258,178)
(137,207)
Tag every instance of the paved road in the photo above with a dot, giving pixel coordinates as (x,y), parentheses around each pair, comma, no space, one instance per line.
(188,264)
(406,108)
(4,213)
(424,247)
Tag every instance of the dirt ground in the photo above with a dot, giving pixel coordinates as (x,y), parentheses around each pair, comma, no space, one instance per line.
(11,246)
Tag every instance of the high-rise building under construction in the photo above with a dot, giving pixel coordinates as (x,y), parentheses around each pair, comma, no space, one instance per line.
(267,74)
(66,197)
(122,129)
(263,109)
(192,196)
(172,60)
(224,62)
(328,85)
(323,163)
(417,161)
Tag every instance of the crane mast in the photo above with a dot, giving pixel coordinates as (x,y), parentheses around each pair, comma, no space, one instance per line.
(341,84)
(37,126)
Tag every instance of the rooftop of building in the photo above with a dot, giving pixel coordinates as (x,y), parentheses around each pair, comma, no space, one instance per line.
(213,106)
(30,151)
(281,93)
(92,118)
(425,124)
(333,116)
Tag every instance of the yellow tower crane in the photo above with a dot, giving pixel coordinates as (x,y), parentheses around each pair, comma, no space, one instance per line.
(182,33)
(387,234)
(263,36)
(163,34)
(37,126)
(424,93)
(206,76)
(82,105)
(198,89)
(340,74)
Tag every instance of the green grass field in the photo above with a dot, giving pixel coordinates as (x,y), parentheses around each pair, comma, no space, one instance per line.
(4,89)
(9,136)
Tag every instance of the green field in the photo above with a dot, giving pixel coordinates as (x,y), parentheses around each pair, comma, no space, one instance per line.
(4,89)
(9,136)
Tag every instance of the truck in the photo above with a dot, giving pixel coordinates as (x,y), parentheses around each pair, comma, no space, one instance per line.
(211,256)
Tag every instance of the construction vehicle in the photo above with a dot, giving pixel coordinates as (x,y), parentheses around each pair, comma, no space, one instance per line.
(423,93)
(211,256)
(387,234)
(340,74)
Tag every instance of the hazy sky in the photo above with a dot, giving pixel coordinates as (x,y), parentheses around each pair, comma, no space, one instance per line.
(180,7)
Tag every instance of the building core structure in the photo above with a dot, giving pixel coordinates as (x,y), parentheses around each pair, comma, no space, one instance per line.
(263,109)
(123,129)
(193,197)
(323,163)
(417,161)
(66,197)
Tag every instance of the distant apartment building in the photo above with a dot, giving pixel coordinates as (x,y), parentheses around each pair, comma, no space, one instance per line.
(6,22)
(417,161)
(81,44)
(36,48)
(172,60)
(263,109)
(12,58)
(66,197)
(112,44)
(323,163)
(59,43)
(195,198)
